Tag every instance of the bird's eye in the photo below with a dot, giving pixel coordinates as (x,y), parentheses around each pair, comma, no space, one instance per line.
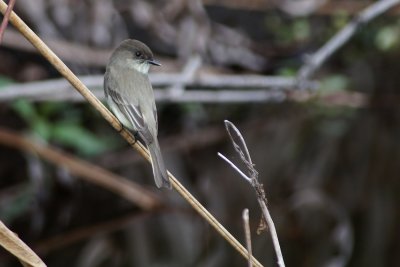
(138,54)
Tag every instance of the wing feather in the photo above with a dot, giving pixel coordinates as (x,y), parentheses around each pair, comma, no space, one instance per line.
(131,112)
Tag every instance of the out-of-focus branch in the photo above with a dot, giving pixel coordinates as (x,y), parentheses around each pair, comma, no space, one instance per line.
(69,52)
(240,146)
(65,239)
(4,23)
(187,75)
(299,7)
(315,61)
(60,90)
(329,8)
(113,121)
(89,172)
(6,17)
(161,80)
(200,88)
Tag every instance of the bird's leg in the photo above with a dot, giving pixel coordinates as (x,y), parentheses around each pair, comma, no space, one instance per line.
(133,134)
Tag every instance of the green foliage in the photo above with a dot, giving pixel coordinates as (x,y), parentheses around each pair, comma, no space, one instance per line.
(334,83)
(287,71)
(17,204)
(387,38)
(301,29)
(62,123)
(340,19)
(25,110)
(76,136)
(5,81)
(293,30)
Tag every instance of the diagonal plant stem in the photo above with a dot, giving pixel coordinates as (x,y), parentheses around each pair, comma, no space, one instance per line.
(4,23)
(248,179)
(107,115)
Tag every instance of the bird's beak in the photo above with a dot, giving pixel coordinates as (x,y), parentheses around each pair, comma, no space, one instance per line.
(154,62)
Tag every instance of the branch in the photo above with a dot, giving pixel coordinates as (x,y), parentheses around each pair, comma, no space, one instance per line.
(315,61)
(246,225)
(241,148)
(330,8)
(110,118)
(60,90)
(89,172)
(6,18)
(187,75)
(161,80)
(80,234)
(235,167)
(207,88)
(70,52)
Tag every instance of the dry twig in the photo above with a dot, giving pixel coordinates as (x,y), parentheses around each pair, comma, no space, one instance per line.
(70,76)
(241,148)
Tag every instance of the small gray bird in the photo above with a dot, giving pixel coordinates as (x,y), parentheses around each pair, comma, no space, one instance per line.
(130,97)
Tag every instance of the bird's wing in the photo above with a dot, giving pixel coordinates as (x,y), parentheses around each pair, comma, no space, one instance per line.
(131,113)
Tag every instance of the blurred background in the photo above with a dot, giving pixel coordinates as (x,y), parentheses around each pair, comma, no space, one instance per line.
(325,146)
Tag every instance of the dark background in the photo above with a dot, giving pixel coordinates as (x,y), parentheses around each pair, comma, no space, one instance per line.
(329,163)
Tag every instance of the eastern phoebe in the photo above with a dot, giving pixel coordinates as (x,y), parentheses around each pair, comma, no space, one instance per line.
(130,97)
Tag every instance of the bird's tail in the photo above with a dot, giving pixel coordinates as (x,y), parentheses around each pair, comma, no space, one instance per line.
(157,162)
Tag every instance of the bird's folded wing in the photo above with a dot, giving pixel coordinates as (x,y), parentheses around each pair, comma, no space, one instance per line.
(131,112)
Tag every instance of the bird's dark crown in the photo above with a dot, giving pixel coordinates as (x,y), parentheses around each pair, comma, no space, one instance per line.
(139,50)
